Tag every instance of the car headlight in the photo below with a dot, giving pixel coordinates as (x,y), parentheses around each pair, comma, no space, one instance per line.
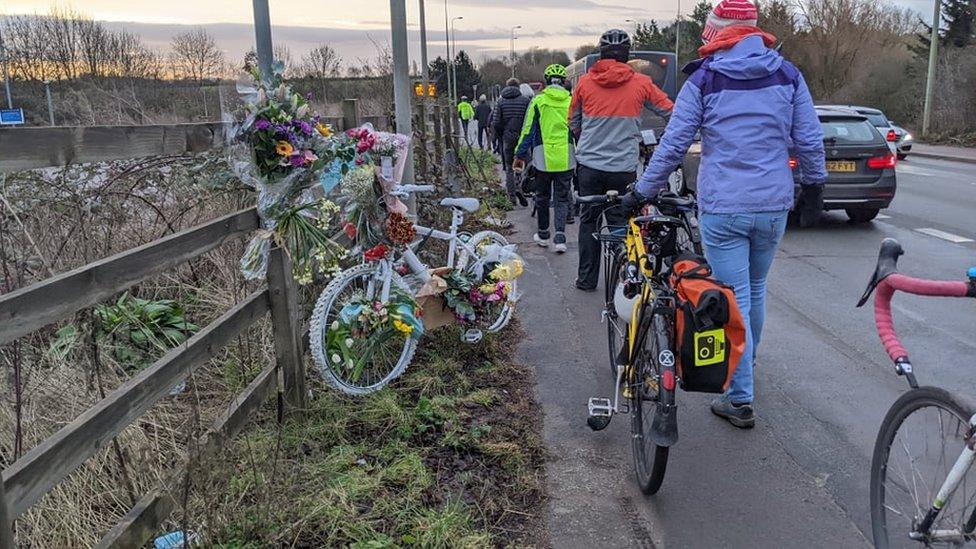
(908,137)
(695,148)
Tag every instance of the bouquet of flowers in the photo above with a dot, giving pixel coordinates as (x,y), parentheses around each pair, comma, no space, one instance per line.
(364,325)
(472,295)
(283,150)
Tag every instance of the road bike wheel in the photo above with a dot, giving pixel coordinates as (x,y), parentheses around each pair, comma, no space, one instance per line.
(920,438)
(496,315)
(650,460)
(387,359)
(616,326)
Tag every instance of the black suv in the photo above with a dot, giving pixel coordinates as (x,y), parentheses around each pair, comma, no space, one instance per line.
(860,165)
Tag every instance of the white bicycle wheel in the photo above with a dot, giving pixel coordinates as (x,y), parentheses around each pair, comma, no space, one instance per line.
(498,316)
(385,361)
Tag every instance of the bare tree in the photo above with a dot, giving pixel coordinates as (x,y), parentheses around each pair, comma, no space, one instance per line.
(321,62)
(195,55)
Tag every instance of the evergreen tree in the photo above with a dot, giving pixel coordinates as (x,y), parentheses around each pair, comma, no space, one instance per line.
(958,28)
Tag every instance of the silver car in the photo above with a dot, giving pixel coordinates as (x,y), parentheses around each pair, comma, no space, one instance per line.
(899,138)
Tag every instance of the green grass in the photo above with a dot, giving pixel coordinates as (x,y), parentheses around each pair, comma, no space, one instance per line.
(434,460)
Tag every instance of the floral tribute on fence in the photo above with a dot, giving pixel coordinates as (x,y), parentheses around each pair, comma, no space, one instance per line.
(313,183)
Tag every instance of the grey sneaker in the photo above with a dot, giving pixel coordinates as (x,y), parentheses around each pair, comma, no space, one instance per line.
(741,415)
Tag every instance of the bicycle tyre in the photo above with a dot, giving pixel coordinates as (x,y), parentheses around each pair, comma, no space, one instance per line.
(650,475)
(615,340)
(907,404)
(497,323)
(321,320)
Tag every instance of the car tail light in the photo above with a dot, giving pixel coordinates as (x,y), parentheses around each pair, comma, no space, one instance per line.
(793,163)
(881,162)
(664,60)
(892,136)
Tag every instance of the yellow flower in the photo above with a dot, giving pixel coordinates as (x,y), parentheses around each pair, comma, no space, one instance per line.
(324,130)
(487,288)
(284,148)
(507,271)
(402,327)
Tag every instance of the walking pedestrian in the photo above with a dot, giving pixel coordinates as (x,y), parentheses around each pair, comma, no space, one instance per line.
(465,113)
(548,144)
(605,115)
(507,122)
(482,114)
(750,105)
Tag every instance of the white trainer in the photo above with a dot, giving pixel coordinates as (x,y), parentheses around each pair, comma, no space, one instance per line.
(560,248)
(543,242)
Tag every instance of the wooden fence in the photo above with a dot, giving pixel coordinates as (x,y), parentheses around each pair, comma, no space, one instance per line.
(28,309)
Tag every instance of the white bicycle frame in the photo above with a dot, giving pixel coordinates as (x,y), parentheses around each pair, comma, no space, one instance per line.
(410,258)
(952,482)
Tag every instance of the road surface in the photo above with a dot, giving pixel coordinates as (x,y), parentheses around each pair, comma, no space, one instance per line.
(800,478)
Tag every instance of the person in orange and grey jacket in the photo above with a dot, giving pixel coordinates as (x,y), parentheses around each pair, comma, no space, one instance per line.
(605,116)
(507,121)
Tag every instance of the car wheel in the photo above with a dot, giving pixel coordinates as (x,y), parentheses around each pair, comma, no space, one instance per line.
(862,215)
(902,156)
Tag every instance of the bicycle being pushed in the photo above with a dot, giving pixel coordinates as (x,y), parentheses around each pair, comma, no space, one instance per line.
(640,312)
(920,491)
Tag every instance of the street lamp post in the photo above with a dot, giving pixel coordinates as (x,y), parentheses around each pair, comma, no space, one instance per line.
(425,75)
(262,37)
(677,35)
(454,55)
(513,48)
(447,42)
(933,57)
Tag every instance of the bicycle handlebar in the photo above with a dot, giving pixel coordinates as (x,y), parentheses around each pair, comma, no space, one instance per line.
(407,189)
(887,281)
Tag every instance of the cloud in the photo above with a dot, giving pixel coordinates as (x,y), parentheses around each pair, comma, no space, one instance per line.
(547,4)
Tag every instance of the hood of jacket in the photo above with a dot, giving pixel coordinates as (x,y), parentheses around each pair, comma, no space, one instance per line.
(511,92)
(556,93)
(610,73)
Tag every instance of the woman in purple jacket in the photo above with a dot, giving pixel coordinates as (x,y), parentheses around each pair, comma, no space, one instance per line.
(750,106)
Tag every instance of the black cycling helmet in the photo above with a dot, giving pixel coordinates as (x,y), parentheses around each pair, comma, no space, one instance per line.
(615,44)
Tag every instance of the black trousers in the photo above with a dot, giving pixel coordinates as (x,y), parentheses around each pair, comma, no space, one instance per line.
(597,182)
(482,132)
(553,187)
(508,156)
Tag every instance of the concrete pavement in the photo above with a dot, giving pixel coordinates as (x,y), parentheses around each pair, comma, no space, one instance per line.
(945,152)
(800,478)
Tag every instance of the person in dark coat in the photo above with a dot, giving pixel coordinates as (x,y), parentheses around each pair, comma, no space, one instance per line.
(482,113)
(507,121)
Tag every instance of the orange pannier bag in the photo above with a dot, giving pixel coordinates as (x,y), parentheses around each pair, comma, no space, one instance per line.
(710,334)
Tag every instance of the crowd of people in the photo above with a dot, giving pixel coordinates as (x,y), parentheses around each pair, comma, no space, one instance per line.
(750,108)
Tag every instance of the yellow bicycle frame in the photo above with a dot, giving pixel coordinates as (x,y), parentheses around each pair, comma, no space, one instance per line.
(637,253)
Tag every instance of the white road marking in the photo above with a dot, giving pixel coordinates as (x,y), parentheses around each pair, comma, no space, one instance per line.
(913,170)
(883,216)
(944,235)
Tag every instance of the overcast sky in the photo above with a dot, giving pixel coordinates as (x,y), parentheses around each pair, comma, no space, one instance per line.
(351,26)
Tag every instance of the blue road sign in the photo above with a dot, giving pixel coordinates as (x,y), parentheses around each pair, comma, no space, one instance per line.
(11,117)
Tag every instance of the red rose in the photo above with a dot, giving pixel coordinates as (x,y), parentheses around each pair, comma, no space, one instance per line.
(376,253)
(349,229)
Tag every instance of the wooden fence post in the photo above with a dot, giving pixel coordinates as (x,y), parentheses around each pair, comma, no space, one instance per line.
(350,113)
(287,330)
(438,137)
(6,524)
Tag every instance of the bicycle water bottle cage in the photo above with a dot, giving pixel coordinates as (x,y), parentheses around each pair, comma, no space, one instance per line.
(891,250)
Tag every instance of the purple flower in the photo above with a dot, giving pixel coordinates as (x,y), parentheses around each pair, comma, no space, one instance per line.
(262,124)
(304,126)
(308,96)
(297,160)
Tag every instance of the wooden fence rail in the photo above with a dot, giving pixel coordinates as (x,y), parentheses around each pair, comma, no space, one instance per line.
(23,311)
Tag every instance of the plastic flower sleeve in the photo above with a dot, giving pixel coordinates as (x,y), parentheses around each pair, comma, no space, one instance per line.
(254,262)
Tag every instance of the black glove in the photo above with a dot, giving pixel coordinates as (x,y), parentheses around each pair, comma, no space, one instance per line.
(631,203)
(810,205)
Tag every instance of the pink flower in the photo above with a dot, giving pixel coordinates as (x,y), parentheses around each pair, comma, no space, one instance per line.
(349,229)
(310,156)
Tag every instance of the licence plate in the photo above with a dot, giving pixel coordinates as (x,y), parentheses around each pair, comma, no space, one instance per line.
(841,166)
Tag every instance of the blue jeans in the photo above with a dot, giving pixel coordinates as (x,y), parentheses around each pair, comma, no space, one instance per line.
(740,250)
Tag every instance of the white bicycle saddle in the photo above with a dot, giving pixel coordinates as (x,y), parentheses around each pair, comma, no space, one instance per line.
(466,204)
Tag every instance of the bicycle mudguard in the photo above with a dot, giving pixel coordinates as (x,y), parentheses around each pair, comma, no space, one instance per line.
(664,428)
(888,256)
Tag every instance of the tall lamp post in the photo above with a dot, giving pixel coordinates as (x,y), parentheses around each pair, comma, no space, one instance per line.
(425,75)
(933,57)
(677,35)
(447,42)
(513,48)
(453,56)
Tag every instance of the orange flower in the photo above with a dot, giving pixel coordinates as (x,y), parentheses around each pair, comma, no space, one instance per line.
(324,130)
(284,148)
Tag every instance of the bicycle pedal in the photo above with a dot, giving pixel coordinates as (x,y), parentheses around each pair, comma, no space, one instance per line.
(600,413)
(472,336)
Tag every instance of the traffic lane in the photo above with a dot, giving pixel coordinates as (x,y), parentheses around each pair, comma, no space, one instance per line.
(724,486)
(823,380)
(936,194)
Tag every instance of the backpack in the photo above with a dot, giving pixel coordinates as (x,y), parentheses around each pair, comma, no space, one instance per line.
(710,334)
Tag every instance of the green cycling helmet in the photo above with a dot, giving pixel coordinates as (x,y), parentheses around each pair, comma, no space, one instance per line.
(555,70)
